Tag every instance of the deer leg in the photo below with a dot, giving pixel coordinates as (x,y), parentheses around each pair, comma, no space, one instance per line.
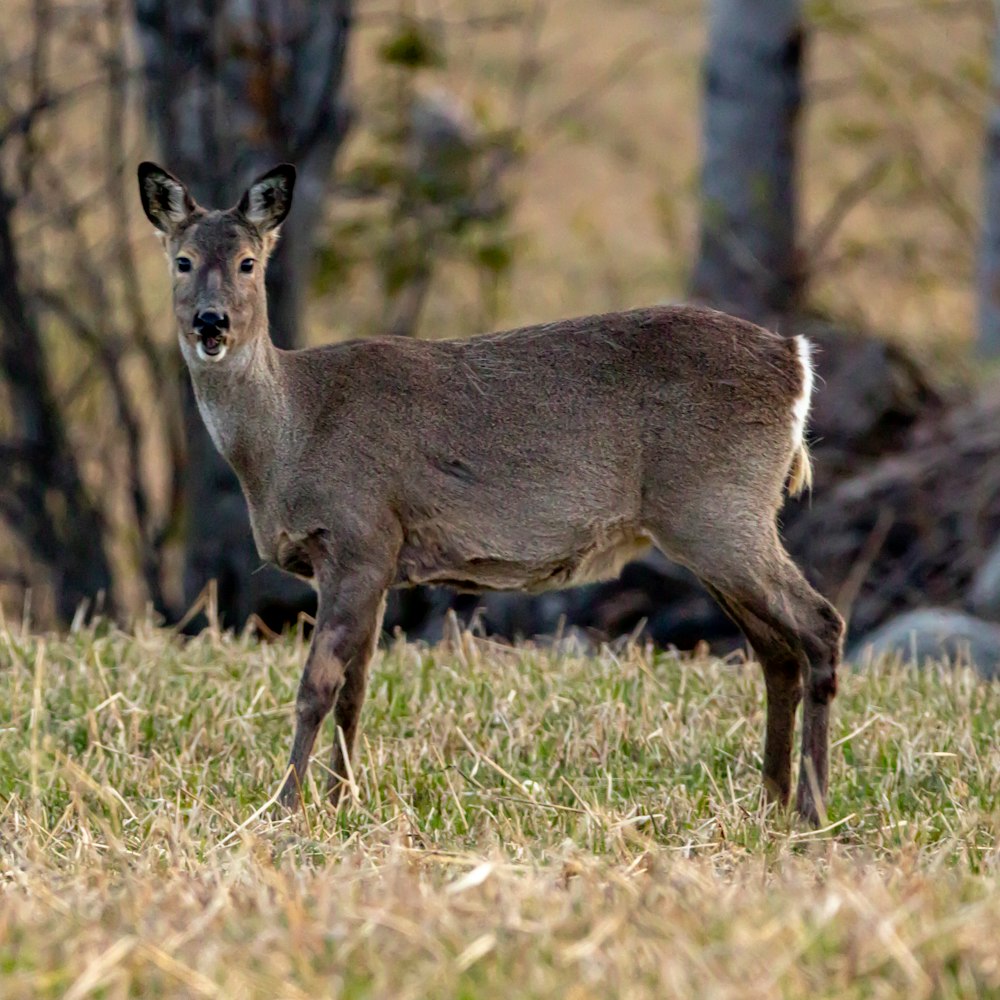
(321,681)
(810,627)
(348,710)
(347,624)
(796,633)
(782,667)
(823,642)
(783,683)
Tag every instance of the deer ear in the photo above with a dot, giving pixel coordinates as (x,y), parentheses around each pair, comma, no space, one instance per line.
(267,201)
(165,199)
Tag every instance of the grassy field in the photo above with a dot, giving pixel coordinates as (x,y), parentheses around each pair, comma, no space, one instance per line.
(525,823)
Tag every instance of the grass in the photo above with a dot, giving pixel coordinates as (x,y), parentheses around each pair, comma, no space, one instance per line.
(525,823)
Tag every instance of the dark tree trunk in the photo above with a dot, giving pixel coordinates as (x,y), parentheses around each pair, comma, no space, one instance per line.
(42,496)
(988,343)
(233,89)
(752,92)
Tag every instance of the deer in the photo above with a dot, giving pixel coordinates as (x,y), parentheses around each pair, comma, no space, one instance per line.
(541,457)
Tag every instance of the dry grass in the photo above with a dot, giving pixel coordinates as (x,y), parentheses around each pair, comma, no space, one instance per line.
(525,824)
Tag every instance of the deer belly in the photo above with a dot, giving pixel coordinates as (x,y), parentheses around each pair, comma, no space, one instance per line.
(432,556)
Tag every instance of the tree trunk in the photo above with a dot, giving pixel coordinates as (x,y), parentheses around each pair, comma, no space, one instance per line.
(42,496)
(233,89)
(988,343)
(747,262)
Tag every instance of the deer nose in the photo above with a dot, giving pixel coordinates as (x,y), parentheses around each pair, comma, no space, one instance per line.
(210,321)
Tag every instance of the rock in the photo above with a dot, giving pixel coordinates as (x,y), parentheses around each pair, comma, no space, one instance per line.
(984,592)
(934,634)
(571,642)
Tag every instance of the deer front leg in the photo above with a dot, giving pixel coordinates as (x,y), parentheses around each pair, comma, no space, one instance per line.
(321,681)
(347,625)
(348,710)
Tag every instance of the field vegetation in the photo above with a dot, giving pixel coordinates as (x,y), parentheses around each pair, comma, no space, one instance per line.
(523,822)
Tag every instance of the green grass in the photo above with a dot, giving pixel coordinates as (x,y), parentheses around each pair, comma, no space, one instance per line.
(524,824)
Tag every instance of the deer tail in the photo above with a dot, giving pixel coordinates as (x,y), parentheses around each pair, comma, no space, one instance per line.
(800,473)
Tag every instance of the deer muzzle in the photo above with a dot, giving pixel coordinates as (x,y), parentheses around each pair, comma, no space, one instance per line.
(211,328)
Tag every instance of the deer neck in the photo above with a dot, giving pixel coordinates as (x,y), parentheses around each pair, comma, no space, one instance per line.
(244,404)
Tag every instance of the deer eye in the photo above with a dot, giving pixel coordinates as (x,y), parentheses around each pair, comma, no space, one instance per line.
(246,265)
(184,264)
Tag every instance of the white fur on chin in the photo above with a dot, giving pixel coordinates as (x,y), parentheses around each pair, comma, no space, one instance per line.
(204,356)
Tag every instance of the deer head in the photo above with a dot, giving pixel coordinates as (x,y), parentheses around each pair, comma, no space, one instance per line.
(217,259)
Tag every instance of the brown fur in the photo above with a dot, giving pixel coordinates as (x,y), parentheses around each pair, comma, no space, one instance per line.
(535,458)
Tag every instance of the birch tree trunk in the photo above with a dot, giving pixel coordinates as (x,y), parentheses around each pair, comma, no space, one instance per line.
(752,93)
(232,89)
(988,342)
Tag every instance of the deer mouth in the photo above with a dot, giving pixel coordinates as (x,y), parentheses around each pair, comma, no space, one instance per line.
(211,345)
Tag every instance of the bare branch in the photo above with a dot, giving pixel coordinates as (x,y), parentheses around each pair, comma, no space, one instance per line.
(847,198)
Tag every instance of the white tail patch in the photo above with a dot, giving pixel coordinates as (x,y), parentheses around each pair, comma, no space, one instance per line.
(800,475)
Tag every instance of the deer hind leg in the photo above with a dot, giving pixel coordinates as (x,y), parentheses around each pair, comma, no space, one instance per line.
(796,633)
(800,627)
(824,642)
(783,671)
(810,623)
(347,625)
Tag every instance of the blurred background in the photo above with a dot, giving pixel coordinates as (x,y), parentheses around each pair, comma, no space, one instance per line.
(829,168)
